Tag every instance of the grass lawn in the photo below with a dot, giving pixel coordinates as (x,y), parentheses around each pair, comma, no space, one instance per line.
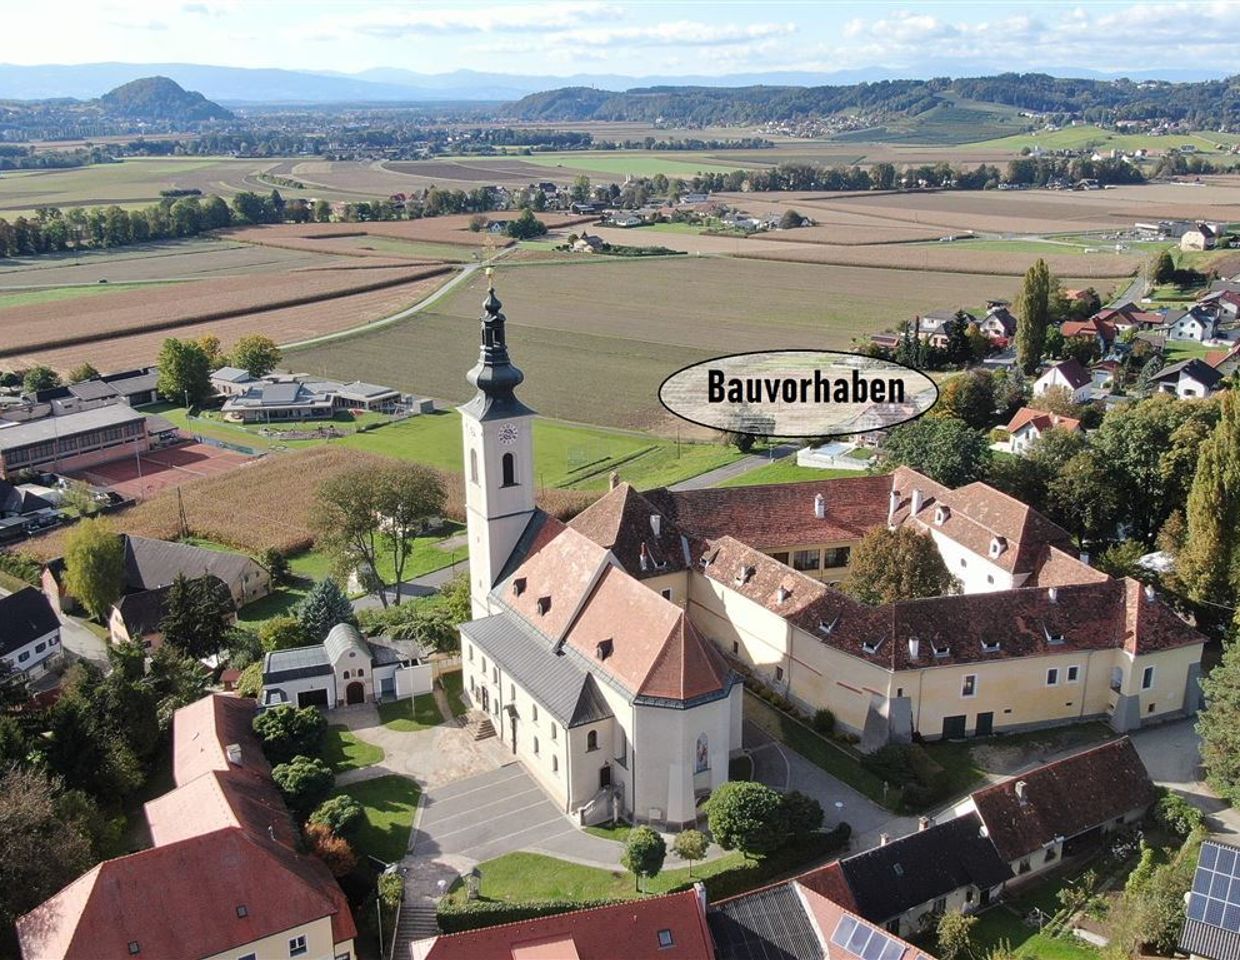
(999,924)
(25,298)
(611,831)
(823,753)
(786,471)
(1177,350)
(408,716)
(344,751)
(454,687)
(11,583)
(389,803)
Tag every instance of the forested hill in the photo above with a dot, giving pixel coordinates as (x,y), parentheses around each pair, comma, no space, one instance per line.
(158,98)
(1204,104)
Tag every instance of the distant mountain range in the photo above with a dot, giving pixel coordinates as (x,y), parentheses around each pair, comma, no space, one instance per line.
(240,86)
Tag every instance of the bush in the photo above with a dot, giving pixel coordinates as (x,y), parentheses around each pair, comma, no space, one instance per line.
(458,917)
(21,567)
(304,781)
(287,731)
(331,849)
(803,815)
(1174,813)
(341,813)
(747,816)
(824,721)
(250,683)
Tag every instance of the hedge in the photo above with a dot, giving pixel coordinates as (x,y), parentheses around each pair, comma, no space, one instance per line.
(457,917)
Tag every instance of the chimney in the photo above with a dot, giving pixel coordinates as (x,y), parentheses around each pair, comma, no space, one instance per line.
(645,558)
(914,647)
(924,823)
(1021,788)
(1052,594)
(1150,594)
(271,830)
(233,752)
(918,499)
(613,480)
(884,839)
(782,594)
(1085,558)
(820,506)
(893,503)
(656,525)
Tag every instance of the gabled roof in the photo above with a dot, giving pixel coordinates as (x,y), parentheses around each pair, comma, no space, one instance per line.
(143,611)
(918,868)
(15,500)
(835,922)
(1072,372)
(1194,369)
(156,563)
(344,639)
(202,732)
(232,375)
(1040,419)
(623,521)
(25,616)
(1094,327)
(767,924)
(770,516)
(619,932)
(1064,798)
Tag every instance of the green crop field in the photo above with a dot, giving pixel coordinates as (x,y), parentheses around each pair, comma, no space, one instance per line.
(597,337)
(1087,135)
(23,298)
(676,163)
(944,125)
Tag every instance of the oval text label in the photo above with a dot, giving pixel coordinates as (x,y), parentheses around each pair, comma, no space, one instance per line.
(798,393)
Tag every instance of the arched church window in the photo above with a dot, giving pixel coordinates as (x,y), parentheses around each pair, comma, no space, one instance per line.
(592,740)
(702,756)
(509,465)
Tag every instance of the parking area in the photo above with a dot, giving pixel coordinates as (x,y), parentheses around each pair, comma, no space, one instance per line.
(499,812)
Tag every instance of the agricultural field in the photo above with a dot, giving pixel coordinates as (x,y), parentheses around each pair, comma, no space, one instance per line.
(1087,136)
(596,337)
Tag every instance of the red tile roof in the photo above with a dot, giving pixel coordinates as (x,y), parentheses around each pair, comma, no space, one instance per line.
(202,732)
(1064,798)
(1129,315)
(1072,372)
(1041,419)
(623,521)
(828,913)
(1093,327)
(626,931)
(829,882)
(771,516)
(553,581)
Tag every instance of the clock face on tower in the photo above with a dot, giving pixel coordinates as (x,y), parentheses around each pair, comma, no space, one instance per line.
(508,434)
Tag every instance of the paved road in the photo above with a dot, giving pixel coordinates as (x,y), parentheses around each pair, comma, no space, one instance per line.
(1132,293)
(422,586)
(713,477)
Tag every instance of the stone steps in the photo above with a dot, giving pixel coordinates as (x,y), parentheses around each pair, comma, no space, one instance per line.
(417,922)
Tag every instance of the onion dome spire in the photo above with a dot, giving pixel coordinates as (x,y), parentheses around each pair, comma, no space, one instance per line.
(495,375)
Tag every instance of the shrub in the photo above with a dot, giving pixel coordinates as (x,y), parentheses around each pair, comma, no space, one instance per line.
(341,813)
(304,781)
(250,683)
(1174,813)
(287,731)
(747,816)
(457,917)
(331,849)
(824,721)
(803,815)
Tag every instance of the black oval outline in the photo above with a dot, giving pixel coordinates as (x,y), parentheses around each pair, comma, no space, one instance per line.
(799,436)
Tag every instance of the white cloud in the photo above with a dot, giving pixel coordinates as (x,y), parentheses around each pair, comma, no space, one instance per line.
(387,22)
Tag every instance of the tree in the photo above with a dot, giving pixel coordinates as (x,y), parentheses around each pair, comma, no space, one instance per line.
(944,448)
(1209,564)
(346,517)
(282,633)
(579,192)
(1032,310)
(526,226)
(250,683)
(969,397)
(790,220)
(39,378)
(408,495)
(43,851)
(802,813)
(198,614)
(747,816)
(256,354)
(184,372)
(1083,497)
(322,608)
(82,372)
(341,813)
(94,566)
(331,849)
(954,935)
(644,852)
(1163,270)
(177,681)
(900,564)
(1120,559)
(690,845)
(277,566)
(287,731)
(305,782)
(1219,723)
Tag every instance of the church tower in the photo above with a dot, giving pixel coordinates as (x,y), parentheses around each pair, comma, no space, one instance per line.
(499,457)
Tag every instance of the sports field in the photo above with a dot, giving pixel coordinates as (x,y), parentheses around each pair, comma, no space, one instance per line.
(145,475)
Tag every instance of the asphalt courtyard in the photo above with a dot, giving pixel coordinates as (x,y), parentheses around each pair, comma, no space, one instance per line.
(494,813)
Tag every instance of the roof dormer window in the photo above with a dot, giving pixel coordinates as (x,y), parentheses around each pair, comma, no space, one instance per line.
(518,586)
(997,546)
(743,575)
(544,605)
(940,648)
(782,594)
(872,646)
(941,513)
(990,646)
(1052,636)
(603,649)
(825,627)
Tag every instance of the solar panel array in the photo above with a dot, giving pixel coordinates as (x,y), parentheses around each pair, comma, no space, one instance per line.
(1215,896)
(868,943)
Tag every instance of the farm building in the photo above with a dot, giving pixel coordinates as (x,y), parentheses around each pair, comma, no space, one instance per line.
(73,441)
(343,670)
(590,636)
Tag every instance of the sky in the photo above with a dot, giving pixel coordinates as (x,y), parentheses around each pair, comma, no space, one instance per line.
(564,37)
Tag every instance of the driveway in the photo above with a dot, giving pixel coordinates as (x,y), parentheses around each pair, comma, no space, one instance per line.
(784,769)
(1171,753)
(500,812)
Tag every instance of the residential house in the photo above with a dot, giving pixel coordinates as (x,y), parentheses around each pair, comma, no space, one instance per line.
(1027,424)
(1224,303)
(1129,316)
(1196,323)
(1058,810)
(626,220)
(1103,332)
(1104,373)
(1188,378)
(29,633)
(1226,362)
(999,324)
(344,669)
(903,885)
(588,243)
(225,877)
(1203,236)
(804,918)
(671,926)
(1069,375)
(936,326)
(73,440)
(1212,912)
(231,381)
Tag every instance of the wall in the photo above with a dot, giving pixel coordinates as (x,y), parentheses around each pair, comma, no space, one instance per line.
(351,668)
(37,661)
(977,574)
(319,944)
(411,681)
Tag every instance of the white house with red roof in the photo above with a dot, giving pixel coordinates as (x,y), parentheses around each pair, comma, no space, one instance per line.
(1068,375)
(1027,424)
